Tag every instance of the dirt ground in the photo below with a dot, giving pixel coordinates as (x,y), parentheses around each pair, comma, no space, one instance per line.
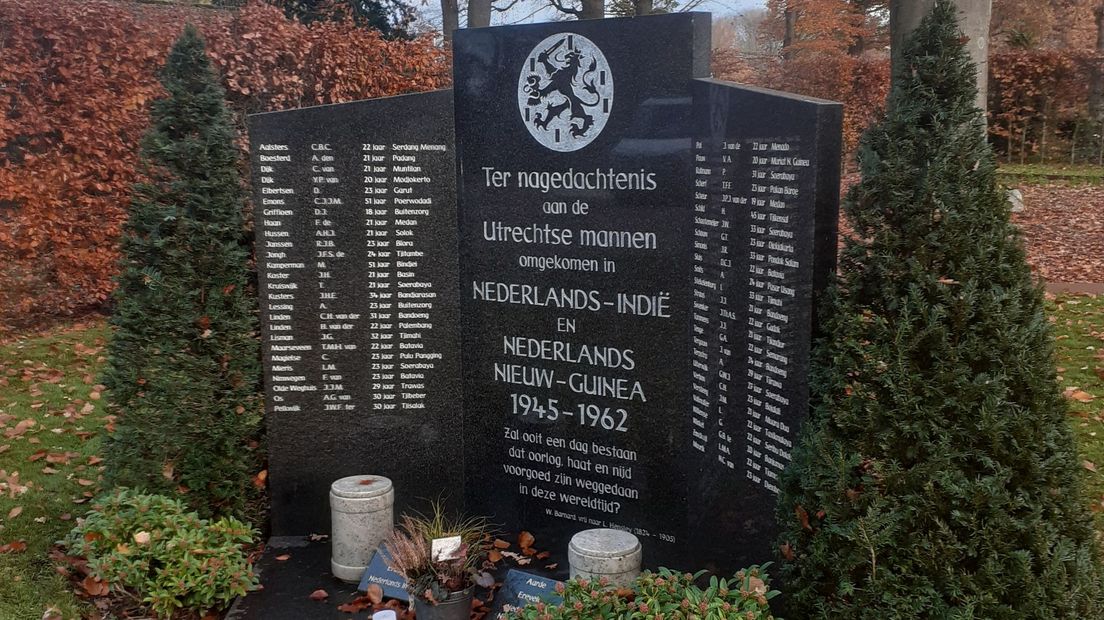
(1064,231)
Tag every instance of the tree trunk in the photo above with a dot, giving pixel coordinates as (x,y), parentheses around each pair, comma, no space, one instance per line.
(643,7)
(593,9)
(788,35)
(479,13)
(973,18)
(1096,76)
(450,18)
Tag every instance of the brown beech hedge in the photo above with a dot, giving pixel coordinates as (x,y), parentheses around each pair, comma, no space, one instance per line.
(76,81)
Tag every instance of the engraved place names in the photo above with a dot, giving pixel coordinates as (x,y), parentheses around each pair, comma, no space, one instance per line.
(356,252)
(775,174)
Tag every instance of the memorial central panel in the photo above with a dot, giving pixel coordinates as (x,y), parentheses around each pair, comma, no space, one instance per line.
(574,147)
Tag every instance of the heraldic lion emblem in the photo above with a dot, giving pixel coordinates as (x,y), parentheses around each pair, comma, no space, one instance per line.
(565,92)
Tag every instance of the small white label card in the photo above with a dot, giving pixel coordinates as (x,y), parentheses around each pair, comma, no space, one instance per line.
(447,549)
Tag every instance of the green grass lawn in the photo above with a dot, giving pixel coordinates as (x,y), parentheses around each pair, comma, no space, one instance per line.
(48,470)
(1051,173)
(1079,329)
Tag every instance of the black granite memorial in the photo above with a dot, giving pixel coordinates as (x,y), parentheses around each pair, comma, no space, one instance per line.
(594,311)
(639,251)
(356,249)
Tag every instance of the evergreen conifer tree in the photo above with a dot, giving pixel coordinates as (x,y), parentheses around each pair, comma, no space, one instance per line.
(183,365)
(937,476)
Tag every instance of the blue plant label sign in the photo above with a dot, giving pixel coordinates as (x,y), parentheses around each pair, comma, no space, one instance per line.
(520,588)
(393,584)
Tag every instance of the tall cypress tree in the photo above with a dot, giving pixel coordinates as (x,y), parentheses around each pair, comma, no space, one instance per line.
(183,365)
(937,477)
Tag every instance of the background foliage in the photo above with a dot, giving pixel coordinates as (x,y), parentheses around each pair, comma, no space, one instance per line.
(1042,62)
(76,82)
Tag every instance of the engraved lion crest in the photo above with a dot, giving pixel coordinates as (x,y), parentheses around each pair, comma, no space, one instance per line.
(565,92)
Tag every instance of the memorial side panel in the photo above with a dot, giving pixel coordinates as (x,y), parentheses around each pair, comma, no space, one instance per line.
(764,169)
(355,247)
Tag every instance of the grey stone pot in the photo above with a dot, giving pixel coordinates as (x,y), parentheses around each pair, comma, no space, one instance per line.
(456,607)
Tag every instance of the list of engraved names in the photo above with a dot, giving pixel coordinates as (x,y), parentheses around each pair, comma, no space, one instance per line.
(746,274)
(348,307)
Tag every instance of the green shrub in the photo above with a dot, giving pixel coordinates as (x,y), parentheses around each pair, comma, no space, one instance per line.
(170,559)
(936,478)
(664,595)
(183,363)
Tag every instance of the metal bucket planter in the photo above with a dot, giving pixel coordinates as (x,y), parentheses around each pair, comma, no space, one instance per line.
(456,607)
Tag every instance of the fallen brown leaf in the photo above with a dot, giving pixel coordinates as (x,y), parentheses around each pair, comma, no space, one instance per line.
(94,587)
(1082,396)
(525,539)
(803,518)
(787,551)
(517,557)
(358,604)
(319,595)
(19,429)
(17,546)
